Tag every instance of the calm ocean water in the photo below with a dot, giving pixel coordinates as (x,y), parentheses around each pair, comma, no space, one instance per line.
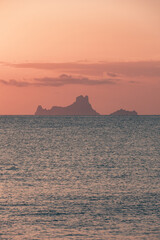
(79,177)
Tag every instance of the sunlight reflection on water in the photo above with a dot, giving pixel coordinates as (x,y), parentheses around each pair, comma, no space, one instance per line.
(79,177)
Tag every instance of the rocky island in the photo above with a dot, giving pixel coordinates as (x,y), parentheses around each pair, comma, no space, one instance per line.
(80,107)
(123,112)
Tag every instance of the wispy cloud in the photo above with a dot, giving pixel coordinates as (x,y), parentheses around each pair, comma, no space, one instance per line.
(62,80)
(111,74)
(112,69)
(15,83)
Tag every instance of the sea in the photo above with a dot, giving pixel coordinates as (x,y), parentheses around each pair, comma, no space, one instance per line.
(79,177)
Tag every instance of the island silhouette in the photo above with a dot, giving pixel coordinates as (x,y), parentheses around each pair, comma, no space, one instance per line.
(123,112)
(80,107)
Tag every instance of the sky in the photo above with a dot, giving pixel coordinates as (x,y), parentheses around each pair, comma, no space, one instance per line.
(53,51)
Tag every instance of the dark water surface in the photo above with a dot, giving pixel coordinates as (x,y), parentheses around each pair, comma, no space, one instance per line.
(79,177)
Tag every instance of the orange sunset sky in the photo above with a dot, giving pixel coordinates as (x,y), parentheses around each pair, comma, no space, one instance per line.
(54,50)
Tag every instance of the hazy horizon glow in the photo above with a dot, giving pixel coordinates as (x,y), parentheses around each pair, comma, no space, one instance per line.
(107,49)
